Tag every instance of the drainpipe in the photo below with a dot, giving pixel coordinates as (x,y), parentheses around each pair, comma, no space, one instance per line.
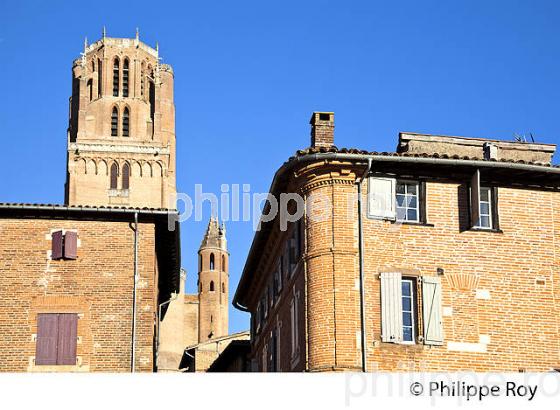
(361,256)
(160,306)
(133,358)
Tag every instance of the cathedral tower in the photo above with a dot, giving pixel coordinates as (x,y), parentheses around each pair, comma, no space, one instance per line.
(121,134)
(213,282)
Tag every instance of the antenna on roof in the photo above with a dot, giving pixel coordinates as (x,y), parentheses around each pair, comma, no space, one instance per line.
(532,138)
(520,137)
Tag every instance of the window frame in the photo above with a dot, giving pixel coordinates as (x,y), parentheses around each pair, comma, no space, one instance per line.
(413,312)
(490,214)
(420,201)
(494,218)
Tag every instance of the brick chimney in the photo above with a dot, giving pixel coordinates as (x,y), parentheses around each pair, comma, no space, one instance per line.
(322,129)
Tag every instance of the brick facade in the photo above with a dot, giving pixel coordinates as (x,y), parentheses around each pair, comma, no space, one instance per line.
(97,286)
(499,287)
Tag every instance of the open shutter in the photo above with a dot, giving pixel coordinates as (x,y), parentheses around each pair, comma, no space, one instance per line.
(71,245)
(56,245)
(391,307)
(381,198)
(47,337)
(67,338)
(432,311)
(475,198)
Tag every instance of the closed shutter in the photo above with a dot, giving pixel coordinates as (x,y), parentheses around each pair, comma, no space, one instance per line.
(56,245)
(67,338)
(71,245)
(432,311)
(381,198)
(475,198)
(47,338)
(391,307)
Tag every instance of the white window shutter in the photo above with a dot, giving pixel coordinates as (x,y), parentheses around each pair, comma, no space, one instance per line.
(381,198)
(391,307)
(475,197)
(432,310)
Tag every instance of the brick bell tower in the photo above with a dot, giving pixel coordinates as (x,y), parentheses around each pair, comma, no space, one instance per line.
(213,282)
(121,134)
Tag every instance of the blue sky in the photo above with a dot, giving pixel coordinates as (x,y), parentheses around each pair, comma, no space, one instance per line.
(248,74)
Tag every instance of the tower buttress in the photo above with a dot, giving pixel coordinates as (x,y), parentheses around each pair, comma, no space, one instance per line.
(213,283)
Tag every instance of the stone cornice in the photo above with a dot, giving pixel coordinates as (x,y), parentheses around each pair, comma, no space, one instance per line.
(113,148)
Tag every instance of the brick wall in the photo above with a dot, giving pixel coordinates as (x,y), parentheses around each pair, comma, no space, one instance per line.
(499,289)
(97,286)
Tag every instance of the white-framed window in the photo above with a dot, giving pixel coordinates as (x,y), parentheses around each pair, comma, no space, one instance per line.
(485,209)
(397,200)
(408,201)
(400,309)
(408,311)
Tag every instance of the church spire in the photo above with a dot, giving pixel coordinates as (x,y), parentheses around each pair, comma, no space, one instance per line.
(215,236)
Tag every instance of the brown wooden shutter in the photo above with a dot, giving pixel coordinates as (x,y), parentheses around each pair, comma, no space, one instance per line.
(57,239)
(67,338)
(47,337)
(71,245)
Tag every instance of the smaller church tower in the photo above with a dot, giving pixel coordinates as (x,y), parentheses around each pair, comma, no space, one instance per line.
(213,282)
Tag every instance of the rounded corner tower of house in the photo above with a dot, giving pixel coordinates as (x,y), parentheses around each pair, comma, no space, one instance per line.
(213,283)
(121,133)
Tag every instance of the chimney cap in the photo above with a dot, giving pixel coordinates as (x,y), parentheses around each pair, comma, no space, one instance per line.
(321,116)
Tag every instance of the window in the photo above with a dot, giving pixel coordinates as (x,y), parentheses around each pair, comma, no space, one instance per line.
(114,122)
(125,176)
(407,201)
(258,318)
(294,325)
(273,352)
(211,286)
(64,246)
(125,122)
(397,200)
(57,337)
(408,310)
(483,205)
(212,263)
(116,78)
(142,78)
(223,287)
(294,249)
(125,78)
(114,175)
(400,309)
(90,89)
(485,209)
(99,78)
(277,279)
(224,263)
(271,294)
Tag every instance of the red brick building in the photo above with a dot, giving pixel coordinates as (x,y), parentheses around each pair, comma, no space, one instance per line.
(450,260)
(80,286)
